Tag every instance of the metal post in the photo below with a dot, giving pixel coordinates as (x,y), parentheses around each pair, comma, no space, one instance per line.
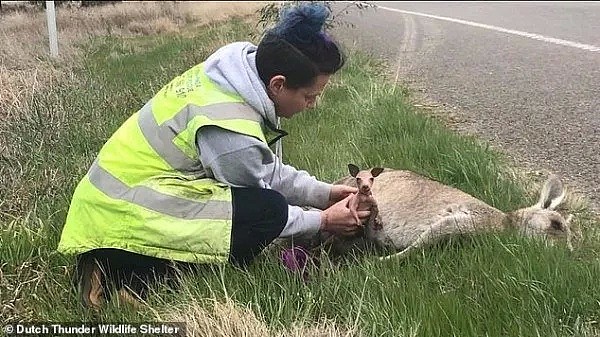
(278,146)
(52,34)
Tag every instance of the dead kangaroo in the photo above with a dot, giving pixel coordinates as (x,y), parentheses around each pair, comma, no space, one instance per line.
(363,200)
(416,211)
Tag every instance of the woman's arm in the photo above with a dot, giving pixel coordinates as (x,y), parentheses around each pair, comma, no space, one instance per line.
(244,161)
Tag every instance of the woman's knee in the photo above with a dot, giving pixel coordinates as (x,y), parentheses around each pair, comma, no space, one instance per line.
(259,204)
(279,206)
(259,217)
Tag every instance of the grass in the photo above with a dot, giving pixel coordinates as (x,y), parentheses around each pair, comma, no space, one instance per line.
(478,286)
(26,65)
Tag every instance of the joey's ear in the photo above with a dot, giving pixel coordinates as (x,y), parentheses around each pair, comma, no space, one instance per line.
(353,169)
(376,171)
(552,193)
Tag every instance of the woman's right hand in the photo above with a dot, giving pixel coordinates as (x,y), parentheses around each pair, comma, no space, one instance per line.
(338,219)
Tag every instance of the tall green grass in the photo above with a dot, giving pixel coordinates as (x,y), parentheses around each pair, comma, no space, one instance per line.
(364,119)
(478,286)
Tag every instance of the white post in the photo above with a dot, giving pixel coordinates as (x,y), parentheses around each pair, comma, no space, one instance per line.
(52,34)
(278,146)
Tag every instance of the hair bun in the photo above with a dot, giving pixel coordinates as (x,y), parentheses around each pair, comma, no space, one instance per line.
(302,23)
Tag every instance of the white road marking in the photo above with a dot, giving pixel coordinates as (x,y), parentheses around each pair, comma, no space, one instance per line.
(561,42)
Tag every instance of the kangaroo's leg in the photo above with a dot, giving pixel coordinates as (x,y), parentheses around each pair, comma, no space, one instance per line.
(375,221)
(454,224)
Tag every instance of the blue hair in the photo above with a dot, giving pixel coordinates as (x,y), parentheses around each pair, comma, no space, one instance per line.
(302,24)
(298,47)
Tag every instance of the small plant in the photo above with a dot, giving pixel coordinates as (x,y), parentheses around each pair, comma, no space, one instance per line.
(269,14)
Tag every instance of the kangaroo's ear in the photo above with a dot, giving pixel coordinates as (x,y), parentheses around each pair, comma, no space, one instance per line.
(353,169)
(552,193)
(376,171)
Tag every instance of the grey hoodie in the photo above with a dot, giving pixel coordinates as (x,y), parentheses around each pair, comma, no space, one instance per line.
(243,161)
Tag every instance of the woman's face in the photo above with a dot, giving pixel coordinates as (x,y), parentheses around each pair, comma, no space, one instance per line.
(289,102)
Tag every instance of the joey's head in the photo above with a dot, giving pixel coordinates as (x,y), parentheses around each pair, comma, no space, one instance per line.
(364,178)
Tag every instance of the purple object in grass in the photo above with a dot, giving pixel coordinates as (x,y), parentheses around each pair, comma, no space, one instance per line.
(295,259)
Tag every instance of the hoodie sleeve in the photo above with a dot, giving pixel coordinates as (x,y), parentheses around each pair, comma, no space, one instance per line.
(299,187)
(243,161)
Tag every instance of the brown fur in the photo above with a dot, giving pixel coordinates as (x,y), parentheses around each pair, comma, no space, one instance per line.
(416,211)
(363,200)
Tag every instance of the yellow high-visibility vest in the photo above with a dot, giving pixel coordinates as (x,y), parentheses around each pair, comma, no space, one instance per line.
(147,191)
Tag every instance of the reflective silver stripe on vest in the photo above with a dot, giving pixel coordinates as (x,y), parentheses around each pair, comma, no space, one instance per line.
(156,201)
(161,137)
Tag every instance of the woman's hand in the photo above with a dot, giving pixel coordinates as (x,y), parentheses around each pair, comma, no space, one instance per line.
(339,192)
(337,219)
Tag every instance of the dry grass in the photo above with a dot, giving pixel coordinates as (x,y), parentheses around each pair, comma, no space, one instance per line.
(24,61)
(228,319)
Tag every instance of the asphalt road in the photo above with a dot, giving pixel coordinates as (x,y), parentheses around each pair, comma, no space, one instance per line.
(524,76)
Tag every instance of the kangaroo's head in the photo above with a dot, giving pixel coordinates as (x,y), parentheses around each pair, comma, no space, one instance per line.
(365,178)
(541,219)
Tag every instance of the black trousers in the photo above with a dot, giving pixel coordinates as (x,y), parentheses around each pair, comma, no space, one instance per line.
(259,216)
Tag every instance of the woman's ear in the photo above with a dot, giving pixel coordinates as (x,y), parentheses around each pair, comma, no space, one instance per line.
(277,84)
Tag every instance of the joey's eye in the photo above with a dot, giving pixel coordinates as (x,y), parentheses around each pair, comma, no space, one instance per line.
(358,179)
(371,179)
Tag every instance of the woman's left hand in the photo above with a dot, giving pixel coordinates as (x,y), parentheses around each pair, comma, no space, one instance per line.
(339,192)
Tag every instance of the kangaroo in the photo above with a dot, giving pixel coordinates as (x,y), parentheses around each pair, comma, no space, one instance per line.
(363,199)
(416,211)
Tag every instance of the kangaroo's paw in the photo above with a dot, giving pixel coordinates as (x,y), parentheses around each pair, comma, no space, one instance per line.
(378,223)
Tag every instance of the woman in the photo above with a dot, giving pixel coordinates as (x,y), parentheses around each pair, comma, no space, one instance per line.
(190,177)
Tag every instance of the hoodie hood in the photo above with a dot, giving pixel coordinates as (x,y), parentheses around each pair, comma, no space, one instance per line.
(233,68)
